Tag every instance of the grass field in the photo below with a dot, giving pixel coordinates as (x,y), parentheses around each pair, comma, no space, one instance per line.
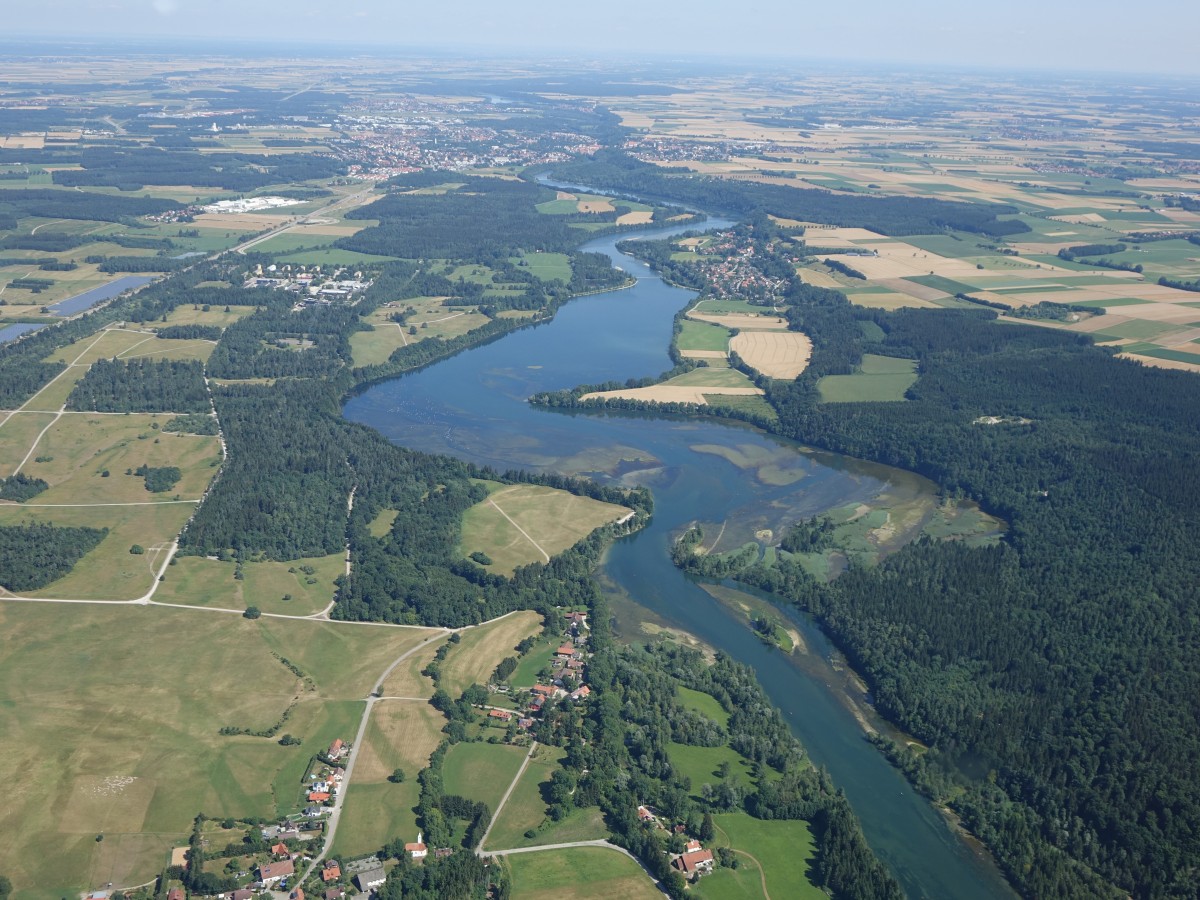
(381,525)
(695,335)
(401,734)
(196,581)
(526,523)
(579,873)
(114,713)
(17,435)
(547,266)
(406,679)
(700,764)
(538,658)
(784,849)
(197,315)
(473,659)
(705,704)
(879,378)
(526,810)
(481,771)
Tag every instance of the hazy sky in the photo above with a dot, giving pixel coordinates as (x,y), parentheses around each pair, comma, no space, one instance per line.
(1097,35)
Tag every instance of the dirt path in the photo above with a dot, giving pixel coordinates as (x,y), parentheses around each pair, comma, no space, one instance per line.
(512,785)
(520,529)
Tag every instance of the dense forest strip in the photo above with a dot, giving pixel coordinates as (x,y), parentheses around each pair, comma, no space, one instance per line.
(615,170)
(141,385)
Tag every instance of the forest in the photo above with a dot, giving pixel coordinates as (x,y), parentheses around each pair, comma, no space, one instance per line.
(141,385)
(1055,676)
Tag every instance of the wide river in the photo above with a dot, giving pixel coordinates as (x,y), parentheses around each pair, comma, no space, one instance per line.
(724,475)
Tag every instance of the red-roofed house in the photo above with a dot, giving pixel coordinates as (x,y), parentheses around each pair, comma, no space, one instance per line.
(694,862)
(280,850)
(502,714)
(318,796)
(336,893)
(567,650)
(273,872)
(692,845)
(644,814)
(175,893)
(336,749)
(582,693)
(331,872)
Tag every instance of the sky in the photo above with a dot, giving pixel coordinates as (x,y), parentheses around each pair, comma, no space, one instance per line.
(1153,36)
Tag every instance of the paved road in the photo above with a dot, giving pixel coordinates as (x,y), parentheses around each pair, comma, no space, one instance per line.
(335,816)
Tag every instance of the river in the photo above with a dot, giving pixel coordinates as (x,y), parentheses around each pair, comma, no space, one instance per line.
(733,478)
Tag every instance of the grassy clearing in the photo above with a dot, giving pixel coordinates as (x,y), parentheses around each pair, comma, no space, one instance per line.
(482,771)
(381,525)
(81,447)
(371,348)
(547,266)
(525,523)
(880,378)
(709,376)
(526,810)
(531,663)
(579,872)
(784,849)
(473,659)
(701,764)
(705,704)
(198,315)
(132,749)
(401,734)
(195,581)
(695,335)
(742,883)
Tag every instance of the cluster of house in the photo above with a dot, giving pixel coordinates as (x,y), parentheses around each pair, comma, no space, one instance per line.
(276,873)
(325,784)
(569,661)
(317,287)
(694,861)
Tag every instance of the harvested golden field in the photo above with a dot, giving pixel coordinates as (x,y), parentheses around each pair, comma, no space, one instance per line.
(777,354)
(641,217)
(741,321)
(667,393)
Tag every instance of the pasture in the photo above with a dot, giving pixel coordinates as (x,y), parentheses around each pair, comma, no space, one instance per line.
(525,523)
(115,713)
(783,849)
(694,335)
(473,659)
(579,873)
(879,378)
(481,771)
(526,810)
(286,588)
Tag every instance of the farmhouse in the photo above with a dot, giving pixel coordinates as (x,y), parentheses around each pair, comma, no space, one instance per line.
(276,871)
(337,749)
(694,862)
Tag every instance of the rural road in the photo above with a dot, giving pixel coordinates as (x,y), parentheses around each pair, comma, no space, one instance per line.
(507,794)
(295,223)
(340,797)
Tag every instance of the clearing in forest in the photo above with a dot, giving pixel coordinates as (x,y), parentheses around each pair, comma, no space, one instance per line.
(480,649)
(528,523)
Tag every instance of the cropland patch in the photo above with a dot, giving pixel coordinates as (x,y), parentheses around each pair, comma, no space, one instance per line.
(774,354)
(879,378)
